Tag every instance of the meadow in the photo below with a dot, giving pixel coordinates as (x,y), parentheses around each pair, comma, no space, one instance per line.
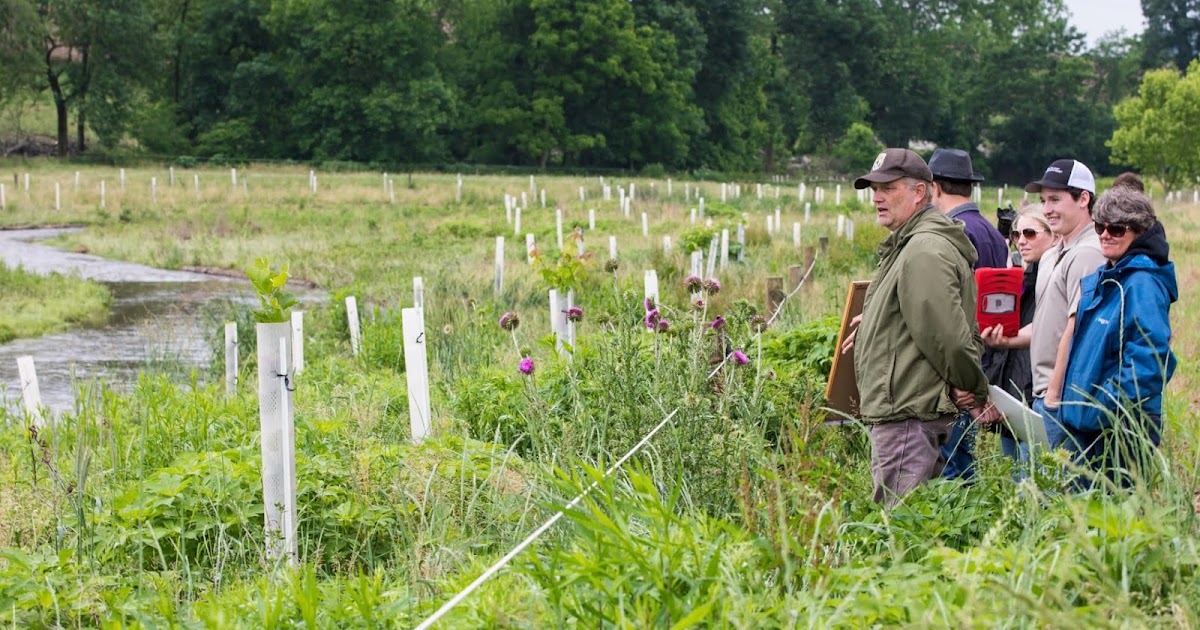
(745,511)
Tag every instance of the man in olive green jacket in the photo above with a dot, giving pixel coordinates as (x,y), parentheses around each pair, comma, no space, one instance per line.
(918,345)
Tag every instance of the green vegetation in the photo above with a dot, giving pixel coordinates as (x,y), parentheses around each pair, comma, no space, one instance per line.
(1158,133)
(32,305)
(143,509)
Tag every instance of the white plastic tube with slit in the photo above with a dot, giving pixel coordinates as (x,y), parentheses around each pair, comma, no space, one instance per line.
(416,368)
(297,341)
(274,400)
(231,357)
(352,319)
(31,394)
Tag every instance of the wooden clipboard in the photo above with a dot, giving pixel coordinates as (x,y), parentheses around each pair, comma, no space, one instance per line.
(841,393)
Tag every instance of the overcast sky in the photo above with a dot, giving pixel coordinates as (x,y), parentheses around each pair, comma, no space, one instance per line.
(1097,17)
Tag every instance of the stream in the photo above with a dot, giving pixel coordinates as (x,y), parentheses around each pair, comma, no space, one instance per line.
(157,321)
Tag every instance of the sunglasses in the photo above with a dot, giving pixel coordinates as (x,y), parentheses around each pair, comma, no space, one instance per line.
(1115,230)
(1028,233)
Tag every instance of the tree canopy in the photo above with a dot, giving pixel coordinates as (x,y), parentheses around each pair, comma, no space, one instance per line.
(725,85)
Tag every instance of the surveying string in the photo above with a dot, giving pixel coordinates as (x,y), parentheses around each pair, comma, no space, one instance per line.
(454,601)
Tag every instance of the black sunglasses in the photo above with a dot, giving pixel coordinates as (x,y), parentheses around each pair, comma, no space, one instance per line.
(1028,233)
(1115,230)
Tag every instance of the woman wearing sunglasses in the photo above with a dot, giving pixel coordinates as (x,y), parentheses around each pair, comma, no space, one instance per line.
(1032,237)
(1120,358)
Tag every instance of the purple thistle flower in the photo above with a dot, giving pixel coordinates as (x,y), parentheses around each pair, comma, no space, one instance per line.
(712,286)
(718,323)
(651,319)
(574,314)
(739,357)
(509,321)
(649,304)
(526,365)
(698,305)
(693,283)
(663,326)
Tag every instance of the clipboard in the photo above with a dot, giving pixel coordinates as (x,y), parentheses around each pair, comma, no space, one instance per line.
(1025,424)
(841,392)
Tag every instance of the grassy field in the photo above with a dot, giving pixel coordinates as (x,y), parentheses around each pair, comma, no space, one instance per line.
(32,305)
(145,509)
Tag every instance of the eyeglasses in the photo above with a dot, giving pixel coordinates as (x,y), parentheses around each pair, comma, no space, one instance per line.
(1028,233)
(1115,230)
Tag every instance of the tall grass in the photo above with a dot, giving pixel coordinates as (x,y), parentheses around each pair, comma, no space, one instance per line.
(143,509)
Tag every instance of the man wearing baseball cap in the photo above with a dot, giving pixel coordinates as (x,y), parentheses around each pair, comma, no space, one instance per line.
(917,346)
(1068,192)
(954,179)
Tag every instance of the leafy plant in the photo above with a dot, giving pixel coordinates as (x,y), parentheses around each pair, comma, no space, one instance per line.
(696,239)
(808,347)
(568,272)
(268,285)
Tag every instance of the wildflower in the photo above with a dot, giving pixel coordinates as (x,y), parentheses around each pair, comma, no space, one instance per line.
(698,305)
(651,318)
(649,304)
(574,314)
(693,283)
(611,265)
(663,326)
(739,357)
(758,323)
(509,321)
(712,286)
(526,365)
(448,329)
(718,323)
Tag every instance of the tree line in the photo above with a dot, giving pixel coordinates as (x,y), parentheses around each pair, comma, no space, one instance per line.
(720,85)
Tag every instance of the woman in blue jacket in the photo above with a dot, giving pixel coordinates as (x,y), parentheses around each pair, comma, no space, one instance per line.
(1121,359)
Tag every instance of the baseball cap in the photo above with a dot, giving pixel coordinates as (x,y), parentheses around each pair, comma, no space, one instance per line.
(1064,174)
(893,164)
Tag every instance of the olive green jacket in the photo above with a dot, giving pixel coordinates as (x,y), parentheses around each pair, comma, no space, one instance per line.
(918,335)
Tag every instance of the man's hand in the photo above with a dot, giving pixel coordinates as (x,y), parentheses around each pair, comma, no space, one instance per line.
(987,414)
(848,342)
(962,398)
(993,336)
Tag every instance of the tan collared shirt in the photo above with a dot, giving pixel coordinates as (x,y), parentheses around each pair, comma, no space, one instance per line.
(1059,273)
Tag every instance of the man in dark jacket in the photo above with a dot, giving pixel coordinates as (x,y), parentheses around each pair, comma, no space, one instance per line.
(917,347)
(954,178)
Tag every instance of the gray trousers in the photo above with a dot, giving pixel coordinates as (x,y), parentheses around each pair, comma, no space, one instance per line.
(905,454)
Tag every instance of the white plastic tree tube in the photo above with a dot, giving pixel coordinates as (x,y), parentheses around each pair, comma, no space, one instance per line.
(352,319)
(274,399)
(288,425)
(612,247)
(796,235)
(418,292)
(741,240)
(724,249)
(416,368)
(103,195)
(231,357)
(499,280)
(666,246)
(530,248)
(645,225)
(31,394)
(651,282)
(297,341)
(517,222)
(591,219)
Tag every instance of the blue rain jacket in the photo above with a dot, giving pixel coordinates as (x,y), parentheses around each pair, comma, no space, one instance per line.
(1120,353)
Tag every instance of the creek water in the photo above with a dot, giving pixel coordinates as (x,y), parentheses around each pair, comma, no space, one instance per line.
(158,320)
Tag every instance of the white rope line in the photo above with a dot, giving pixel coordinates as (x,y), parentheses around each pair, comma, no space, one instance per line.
(492,570)
(778,308)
